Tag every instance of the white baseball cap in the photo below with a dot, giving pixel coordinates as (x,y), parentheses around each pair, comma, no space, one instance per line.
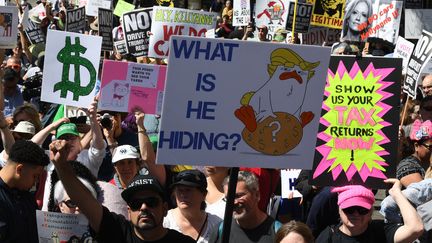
(125,152)
(25,127)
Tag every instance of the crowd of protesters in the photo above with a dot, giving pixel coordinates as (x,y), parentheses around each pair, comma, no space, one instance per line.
(81,165)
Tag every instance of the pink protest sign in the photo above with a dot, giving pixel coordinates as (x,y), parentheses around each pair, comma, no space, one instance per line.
(126,85)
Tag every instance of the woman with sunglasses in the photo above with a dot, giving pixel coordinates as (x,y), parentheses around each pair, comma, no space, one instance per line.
(355,210)
(189,217)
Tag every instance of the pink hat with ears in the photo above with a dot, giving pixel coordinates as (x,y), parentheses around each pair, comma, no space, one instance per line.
(354,195)
(421,131)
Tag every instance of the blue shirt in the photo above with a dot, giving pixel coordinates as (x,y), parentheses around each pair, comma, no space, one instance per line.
(12,102)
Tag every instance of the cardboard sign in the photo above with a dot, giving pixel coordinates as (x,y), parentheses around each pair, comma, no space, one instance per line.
(359,124)
(272,14)
(175,21)
(210,119)
(34,33)
(403,50)
(288,179)
(419,58)
(8,27)
(75,57)
(241,13)
(136,25)
(417,20)
(120,46)
(76,20)
(126,85)
(303,17)
(319,35)
(328,13)
(105,20)
(123,7)
(93,6)
(386,20)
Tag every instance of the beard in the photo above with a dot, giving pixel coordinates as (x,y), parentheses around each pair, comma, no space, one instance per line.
(239,212)
(146,221)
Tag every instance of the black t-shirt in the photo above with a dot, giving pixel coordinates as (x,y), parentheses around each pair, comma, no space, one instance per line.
(376,232)
(115,228)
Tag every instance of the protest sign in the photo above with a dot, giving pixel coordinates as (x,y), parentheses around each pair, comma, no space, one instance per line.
(209,115)
(319,35)
(385,20)
(60,227)
(8,27)
(175,21)
(76,20)
(123,7)
(92,6)
(419,58)
(417,20)
(241,13)
(77,56)
(73,112)
(126,85)
(288,179)
(34,33)
(24,18)
(120,46)
(328,13)
(359,124)
(2,3)
(403,49)
(136,25)
(303,17)
(272,14)
(105,21)
(38,11)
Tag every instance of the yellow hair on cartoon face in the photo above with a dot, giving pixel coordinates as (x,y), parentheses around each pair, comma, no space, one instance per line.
(288,58)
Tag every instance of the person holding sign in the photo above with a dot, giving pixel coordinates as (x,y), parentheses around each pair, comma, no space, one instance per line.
(356,19)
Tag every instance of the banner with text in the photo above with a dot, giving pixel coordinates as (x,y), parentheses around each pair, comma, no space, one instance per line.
(288,180)
(76,20)
(136,25)
(105,21)
(319,35)
(120,47)
(303,17)
(34,33)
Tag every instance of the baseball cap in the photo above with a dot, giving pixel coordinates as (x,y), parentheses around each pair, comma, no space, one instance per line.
(125,152)
(421,131)
(67,128)
(25,127)
(142,182)
(354,195)
(194,178)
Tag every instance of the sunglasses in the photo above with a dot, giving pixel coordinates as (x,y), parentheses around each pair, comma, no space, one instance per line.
(70,204)
(14,66)
(151,202)
(428,146)
(360,210)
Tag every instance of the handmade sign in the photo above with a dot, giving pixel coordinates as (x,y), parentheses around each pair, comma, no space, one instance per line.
(105,21)
(303,17)
(136,25)
(328,13)
(123,7)
(93,6)
(76,20)
(8,27)
(272,14)
(60,227)
(359,124)
(75,57)
(403,50)
(319,35)
(126,85)
(419,58)
(288,179)
(241,13)
(229,118)
(385,20)
(175,21)
(417,20)
(34,33)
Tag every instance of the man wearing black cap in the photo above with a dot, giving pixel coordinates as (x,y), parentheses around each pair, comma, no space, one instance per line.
(146,201)
(17,204)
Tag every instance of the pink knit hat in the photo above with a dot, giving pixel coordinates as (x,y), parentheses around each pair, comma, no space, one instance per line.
(354,195)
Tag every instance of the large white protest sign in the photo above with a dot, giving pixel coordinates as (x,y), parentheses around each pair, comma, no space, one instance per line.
(288,179)
(272,14)
(403,50)
(8,27)
(38,11)
(92,6)
(417,20)
(267,116)
(2,3)
(75,57)
(175,21)
(241,13)
(136,25)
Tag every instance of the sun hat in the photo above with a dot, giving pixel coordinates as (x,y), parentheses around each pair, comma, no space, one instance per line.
(25,127)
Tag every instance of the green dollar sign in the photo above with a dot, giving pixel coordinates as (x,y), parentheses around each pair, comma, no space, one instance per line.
(67,57)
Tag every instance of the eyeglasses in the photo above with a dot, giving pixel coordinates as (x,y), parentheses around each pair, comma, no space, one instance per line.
(70,204)
(151,202)
(360,210)
(428,146)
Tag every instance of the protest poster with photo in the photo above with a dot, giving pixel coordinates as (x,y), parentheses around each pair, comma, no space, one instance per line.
(92,6)
(417,20)
(358,135)
(127,85)
(123,7)
(385,20)
(105,21)
(34,33)
(136,25)
(288,180)
(120,47)
(319,35)
(419,58)
(241,13)
(403,49)
(75,57)
(272,14)
(8,27)
(176,21)
(209,115)
(60,227)
(38,11)
(76,20)
(303,17)
(328,13)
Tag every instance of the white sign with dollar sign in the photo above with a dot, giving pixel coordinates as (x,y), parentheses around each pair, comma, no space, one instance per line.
(71,68)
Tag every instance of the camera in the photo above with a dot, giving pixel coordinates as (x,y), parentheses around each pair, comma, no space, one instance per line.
(32,87)
(106,122)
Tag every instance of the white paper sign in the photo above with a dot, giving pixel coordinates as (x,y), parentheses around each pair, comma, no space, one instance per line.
(67,51)
(241,13)
(8,29)
(265,117)
(272,14)
(2,3)
(93,6)
(288,178)
(403,49)
(38,11)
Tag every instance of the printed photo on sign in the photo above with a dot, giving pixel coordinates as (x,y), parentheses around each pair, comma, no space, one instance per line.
(8,29)
(76,57)
(357,20)
(417,20)
(328,13)
(357,142)
(126,85)
(272,14)
(209,119)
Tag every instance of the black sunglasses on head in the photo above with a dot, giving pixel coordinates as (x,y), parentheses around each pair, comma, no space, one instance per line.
(151,202)
(360,210)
